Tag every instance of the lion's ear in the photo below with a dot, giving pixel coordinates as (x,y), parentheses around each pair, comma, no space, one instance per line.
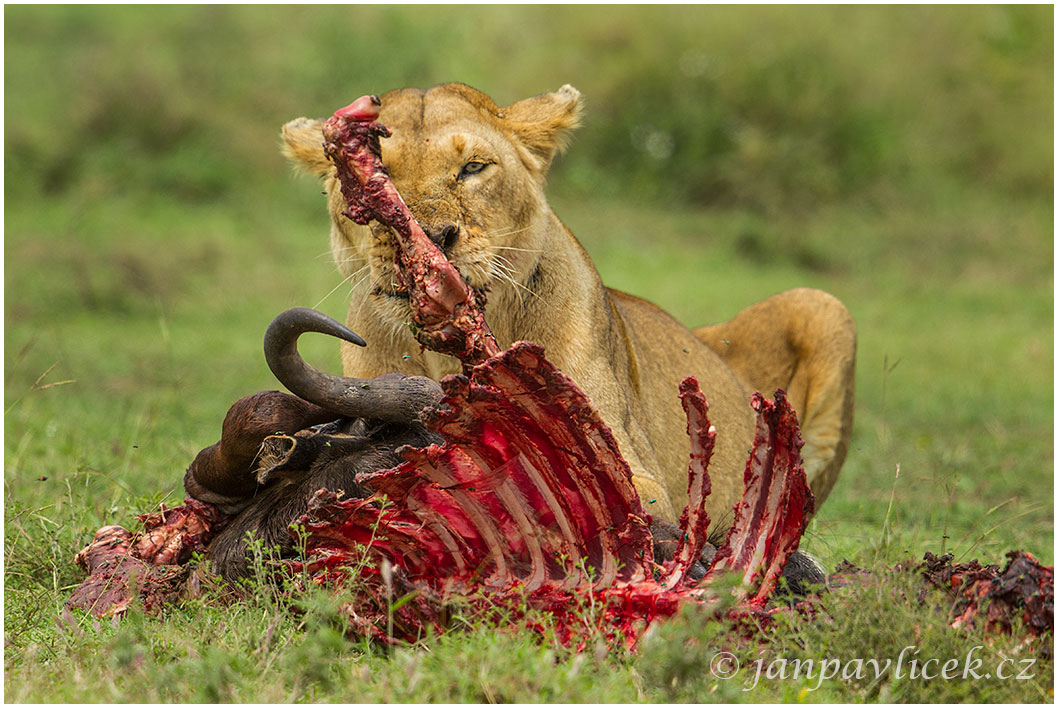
(543,123)
(303,144)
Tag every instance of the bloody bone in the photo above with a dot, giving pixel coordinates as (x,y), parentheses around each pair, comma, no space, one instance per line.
(694,522)
(527,494)
(449,314)
(770,518)
(528,483)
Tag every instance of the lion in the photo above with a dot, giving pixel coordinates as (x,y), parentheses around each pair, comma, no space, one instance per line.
(473,174)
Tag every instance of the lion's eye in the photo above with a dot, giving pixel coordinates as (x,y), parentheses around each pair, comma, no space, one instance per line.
(472,168)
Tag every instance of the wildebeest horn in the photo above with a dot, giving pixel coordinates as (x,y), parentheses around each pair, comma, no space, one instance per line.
(391,397)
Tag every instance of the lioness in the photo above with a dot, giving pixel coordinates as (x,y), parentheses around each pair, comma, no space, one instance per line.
(473,175)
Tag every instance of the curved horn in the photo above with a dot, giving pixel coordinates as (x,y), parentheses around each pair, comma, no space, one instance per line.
(391,397)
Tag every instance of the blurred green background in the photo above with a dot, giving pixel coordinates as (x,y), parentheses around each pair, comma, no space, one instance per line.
(898,157)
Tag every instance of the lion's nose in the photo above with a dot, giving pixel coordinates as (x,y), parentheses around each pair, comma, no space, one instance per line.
(444,235)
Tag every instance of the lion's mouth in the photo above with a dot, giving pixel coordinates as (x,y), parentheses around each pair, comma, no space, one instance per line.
(388,287)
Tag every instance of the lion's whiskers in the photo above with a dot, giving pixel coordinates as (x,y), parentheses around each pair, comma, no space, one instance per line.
(360,280)
(516,248)
(345,280)
(340,253)
(510,231)
(504,270)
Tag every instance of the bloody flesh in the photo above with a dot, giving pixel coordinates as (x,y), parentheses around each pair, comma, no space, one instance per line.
(450,315)
(122,566)
(1023,589)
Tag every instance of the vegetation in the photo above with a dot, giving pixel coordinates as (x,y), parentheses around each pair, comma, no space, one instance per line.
(899,157)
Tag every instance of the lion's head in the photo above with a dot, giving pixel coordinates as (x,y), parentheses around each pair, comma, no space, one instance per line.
(471,172)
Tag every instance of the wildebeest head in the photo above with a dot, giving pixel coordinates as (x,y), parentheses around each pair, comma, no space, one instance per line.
(276,450)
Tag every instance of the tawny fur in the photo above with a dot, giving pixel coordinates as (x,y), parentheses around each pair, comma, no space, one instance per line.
(473,173)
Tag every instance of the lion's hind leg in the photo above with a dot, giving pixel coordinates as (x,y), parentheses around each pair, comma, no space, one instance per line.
(804,342)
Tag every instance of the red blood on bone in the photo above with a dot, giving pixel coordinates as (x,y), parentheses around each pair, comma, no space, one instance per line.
(776,502)
(694,522)
(449,313)
(364,109)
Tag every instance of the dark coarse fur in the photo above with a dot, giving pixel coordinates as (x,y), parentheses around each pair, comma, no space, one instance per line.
(335,454)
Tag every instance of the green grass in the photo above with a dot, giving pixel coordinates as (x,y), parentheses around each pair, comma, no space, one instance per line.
(899,158)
